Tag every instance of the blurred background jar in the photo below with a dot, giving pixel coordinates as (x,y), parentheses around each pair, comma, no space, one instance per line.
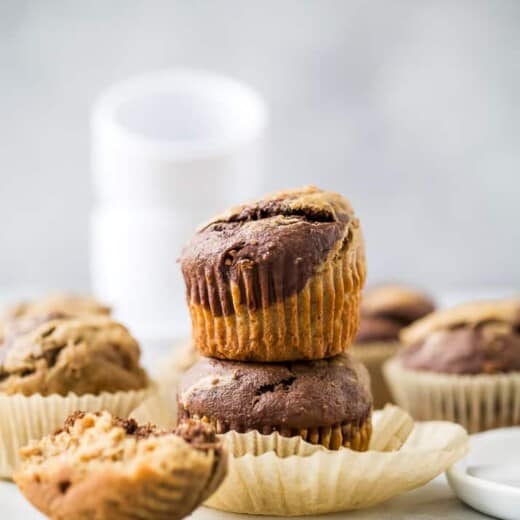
(169,150)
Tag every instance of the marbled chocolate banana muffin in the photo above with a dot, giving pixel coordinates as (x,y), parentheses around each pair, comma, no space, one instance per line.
(278,279)
(325,402)
(60,354)
(108,468)
(61,304)
(385,311)
(461,364)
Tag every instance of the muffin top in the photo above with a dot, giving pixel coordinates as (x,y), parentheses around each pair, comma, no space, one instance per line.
(58,354)
(285,237)
(73,305)
(473,338)
(64,303)
(386,309)
(299,395)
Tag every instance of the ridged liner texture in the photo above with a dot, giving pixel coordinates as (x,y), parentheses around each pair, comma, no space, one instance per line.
(273,475)
(477,402)
(27,418)
(331,437)
(374,355)
(318,322)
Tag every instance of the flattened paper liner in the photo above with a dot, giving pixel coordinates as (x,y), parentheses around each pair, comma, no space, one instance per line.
(478,403)
(328,481)
(392,426)
(24,418)
(374,355)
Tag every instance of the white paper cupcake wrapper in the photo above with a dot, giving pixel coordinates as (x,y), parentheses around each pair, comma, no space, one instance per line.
(479,402)
(275,475)
(26,418)
(289,477)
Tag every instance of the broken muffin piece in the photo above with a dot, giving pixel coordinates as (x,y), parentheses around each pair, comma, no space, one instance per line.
(104,467)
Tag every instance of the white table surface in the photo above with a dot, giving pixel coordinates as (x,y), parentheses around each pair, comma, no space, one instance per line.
(435,500)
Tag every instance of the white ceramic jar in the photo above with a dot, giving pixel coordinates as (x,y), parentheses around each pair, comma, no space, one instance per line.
(168,151)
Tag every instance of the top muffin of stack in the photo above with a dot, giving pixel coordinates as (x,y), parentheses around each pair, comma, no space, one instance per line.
(278,279)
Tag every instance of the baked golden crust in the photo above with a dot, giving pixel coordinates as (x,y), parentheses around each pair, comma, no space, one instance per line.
(104,468)
(92,354)
(467,314)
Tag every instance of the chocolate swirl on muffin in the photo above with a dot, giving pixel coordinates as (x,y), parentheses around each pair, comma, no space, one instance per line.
(475,338)
(254,274)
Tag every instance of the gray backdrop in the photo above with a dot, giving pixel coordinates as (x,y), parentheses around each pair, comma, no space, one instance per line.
(410,108)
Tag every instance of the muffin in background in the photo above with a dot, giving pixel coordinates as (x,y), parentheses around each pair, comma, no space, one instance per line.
(52,365)
(170,369)
(278,279)
(385,311)
(73,304)
(463,365)
(110,468)
(58,354)
(69,304)
(325,402)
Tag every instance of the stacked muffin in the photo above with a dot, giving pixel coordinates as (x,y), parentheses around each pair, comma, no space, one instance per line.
(385,311)
(274,292)
(461,364)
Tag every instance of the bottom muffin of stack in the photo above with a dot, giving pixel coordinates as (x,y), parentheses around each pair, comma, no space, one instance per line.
(325,402)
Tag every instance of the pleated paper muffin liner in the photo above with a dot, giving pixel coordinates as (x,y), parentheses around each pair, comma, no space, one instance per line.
(32,417)
(319,321)
(477,402)
(353,436)
(374,355)
(272,475)
(276,475)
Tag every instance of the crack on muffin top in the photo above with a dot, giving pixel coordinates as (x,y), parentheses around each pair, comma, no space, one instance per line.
(278,208)
(280,386)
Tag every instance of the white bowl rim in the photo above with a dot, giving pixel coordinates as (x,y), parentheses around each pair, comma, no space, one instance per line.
(456,473)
